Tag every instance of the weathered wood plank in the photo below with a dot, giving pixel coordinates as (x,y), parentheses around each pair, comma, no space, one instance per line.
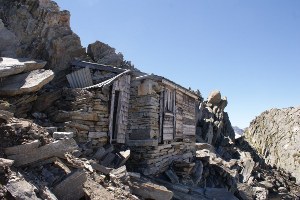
(111,115)
(161,110)
(97,66)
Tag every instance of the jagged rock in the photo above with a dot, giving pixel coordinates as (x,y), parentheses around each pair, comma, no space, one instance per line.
(266,184)
(8,40)
(26,83)
(248,165)
(42,31)
(6,162)
(45,100)
(71,187)
(275,134)
(148,190)
(6,115)
(104,54)
(22,190)
(260,193)
(11,66)
(213,124)
(96,192)
(172,176)
(214,97)
(197,172)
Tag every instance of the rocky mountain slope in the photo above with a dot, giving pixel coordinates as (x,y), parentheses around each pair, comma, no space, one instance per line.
(38,30)
(275,134)
(39,162)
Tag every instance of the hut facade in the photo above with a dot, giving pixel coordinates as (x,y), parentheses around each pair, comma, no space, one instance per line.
(161,125)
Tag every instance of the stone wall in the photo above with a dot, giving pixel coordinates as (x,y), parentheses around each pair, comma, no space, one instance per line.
(143,118)
(85,113)
(150,154)
(157,159)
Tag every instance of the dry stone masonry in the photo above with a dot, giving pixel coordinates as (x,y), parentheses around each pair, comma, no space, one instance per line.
(88,125)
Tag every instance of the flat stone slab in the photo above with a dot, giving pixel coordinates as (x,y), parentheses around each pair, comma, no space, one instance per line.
(55,149)
(11,66)
(25,83)
(20,149)
(142,143)
(22,190)
(63,135)
(71,187)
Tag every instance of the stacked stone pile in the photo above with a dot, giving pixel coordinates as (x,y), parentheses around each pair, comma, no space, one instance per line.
(157,159)
(85,113)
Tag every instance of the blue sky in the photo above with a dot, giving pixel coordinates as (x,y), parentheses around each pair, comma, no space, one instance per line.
(247,49)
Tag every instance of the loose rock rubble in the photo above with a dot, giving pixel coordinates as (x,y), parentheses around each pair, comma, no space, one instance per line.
(73,129)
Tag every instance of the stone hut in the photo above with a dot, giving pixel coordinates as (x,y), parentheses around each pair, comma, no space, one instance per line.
(161,125)
(95,108)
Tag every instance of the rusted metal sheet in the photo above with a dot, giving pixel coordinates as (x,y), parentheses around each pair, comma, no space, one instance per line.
(80,79)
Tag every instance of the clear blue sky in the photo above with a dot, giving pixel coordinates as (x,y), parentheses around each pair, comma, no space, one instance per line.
(248,49)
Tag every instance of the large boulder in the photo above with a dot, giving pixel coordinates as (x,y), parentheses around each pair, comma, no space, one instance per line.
(275,134)
(214,97)
(26,82)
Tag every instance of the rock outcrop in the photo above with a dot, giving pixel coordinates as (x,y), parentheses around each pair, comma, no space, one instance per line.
(104,54)
(37,29)
(275,134)
(213,124)
(8,40)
